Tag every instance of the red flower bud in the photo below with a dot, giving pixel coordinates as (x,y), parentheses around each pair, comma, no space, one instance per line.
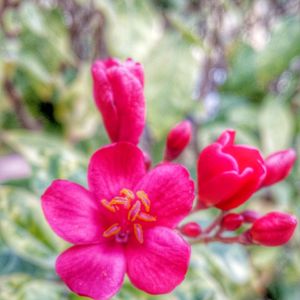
(191,229)
(250,216)
(228,174)
(177,140)
(279,166)
(118,93)
(232,221)
(273,229)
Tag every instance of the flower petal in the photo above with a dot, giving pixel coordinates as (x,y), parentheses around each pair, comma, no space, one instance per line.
(247,156)
(227,137)
(213,161)
(129,101)
(113,168)
(104,97)
(160,263)
(95,271)
(171,192)
(223,187)
(72,212)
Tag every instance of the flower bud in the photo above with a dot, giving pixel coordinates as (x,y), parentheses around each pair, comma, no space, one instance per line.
(191,229)
(279,166)
(177,140)
(119,96)
(250,216)
(228,174)
(273,229)
(232,221)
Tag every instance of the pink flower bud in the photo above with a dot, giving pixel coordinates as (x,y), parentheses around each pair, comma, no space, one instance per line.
(119,96)
(279,166)
(177,140)
(273,229)
(232,221)
(228,174)
(191,229)
(250,216)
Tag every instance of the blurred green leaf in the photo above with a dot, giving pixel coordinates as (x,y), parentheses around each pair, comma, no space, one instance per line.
(22,287)
(276,125)
(24,229)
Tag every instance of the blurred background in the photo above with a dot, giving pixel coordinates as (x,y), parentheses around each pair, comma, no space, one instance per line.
(221,64)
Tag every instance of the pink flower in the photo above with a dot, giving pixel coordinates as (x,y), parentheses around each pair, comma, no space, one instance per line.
(279,166)
(177,140)
(119,95)
(123,224)
(273,229)
(228,174)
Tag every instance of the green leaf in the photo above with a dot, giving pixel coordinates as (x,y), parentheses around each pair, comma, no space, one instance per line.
(50,158)
(22,287)
(24,229)
(276,125)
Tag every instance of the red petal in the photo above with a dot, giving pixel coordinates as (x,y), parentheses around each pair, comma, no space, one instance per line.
(95,271)
(171,192)
(104,98)
(72,212)
(159,264)
(227,137)
(223,187)
(129,100)
(213,161)
(113,168)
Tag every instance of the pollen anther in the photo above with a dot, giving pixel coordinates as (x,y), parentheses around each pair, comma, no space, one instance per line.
(134,211)
(145,217)
(112,230)
(121,201)
(144,199)
(108,205)
(127,193)
(138,233)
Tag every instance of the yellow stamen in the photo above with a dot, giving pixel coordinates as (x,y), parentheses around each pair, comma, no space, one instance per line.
(108,205)
(112,230)
(121,201)
(138,233)
(146,217)
(127,193)
(145,200)
(134,211)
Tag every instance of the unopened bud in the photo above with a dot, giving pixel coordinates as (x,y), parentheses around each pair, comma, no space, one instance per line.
(232,221)
(177,140)
(279,166)
(250,216)
(191,229)
(273,229)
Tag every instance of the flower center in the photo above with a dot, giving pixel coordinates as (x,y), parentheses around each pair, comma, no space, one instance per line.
(134,209)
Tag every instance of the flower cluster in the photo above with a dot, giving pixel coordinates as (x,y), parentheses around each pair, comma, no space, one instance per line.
(127,220)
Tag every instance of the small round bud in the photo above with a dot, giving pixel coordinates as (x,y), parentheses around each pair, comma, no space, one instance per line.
(191,229)
(250,216)
(232,221)
(177,140)
(273,229)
